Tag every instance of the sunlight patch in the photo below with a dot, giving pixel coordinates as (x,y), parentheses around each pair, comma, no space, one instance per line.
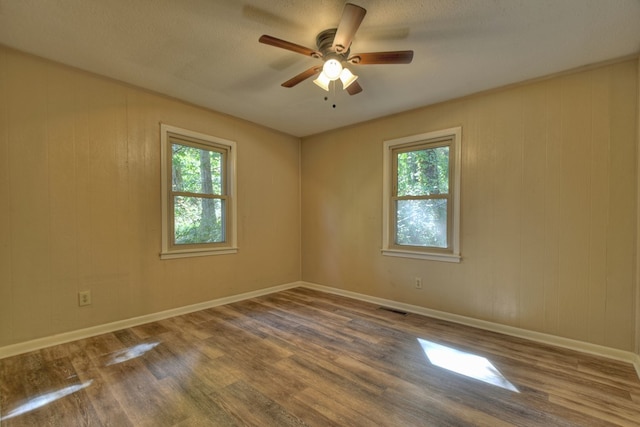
(131,353)
(45,399)
(467,364)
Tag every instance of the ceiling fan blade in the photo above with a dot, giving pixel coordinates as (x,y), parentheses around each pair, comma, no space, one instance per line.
(283,44)
(354,88)
(395,57)
(302,76)
(352,16)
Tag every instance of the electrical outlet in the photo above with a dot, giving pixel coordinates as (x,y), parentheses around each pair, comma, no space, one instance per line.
(418,282)
(84,298)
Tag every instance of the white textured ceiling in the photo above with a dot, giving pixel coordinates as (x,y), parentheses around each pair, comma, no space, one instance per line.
(206,51)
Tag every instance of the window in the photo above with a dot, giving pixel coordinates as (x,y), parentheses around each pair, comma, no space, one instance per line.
(198,194)
(421,207)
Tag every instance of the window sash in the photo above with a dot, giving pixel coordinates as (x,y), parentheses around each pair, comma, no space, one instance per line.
(421,146)
(188,142)
(211,148)
(172,222)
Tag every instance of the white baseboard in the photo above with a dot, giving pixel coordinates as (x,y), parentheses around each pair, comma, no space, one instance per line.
(585,347)
(37,344)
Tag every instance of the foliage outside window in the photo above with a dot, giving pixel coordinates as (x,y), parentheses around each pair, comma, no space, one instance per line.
(198,194)
(421,200)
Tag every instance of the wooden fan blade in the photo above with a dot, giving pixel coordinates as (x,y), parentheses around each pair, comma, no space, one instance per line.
(283,44)
(354,88)
(352,16)
(395,57)
(302,76)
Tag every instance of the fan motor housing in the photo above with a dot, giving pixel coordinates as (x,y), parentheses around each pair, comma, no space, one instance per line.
(324,41)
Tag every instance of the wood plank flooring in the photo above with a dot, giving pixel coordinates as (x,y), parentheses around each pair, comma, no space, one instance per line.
(306,358)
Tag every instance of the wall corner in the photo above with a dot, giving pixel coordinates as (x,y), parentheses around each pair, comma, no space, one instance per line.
(637,278)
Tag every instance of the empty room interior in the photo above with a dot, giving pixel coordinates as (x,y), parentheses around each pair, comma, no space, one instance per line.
(443,232)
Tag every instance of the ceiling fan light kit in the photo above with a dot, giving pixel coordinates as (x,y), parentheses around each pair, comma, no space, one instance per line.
(333,70)
(346,77)
(334,46)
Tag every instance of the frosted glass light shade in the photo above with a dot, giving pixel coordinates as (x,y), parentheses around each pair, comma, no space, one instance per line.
(332,69)
(323,81)
(347,77)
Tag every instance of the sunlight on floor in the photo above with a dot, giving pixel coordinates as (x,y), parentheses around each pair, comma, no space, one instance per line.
(45,399)
(467,364)
(131,353)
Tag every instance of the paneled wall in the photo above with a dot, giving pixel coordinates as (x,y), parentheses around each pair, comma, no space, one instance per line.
(548,220)
(80,203)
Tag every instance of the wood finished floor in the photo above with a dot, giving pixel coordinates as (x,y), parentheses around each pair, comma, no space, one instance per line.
(302,357)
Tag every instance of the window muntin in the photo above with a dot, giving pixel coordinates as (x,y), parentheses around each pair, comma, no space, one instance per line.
(198,177)
(421,196)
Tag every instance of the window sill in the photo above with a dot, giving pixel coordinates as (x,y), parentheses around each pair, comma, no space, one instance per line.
(188,253)
(431,256)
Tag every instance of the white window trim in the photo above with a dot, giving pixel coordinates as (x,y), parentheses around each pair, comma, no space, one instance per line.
(231,232)
(456,135)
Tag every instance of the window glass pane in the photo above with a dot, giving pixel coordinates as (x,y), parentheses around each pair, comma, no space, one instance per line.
(423,172)
(422,222)
(198,220)
(195,170)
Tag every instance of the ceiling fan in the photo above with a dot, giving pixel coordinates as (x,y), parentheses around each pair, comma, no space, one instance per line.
(334,48)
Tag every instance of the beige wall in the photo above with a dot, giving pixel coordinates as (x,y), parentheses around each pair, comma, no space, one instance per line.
(549,190)
(80,203)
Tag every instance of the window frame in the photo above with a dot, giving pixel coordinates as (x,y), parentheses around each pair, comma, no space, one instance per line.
(451,137)
(168,136)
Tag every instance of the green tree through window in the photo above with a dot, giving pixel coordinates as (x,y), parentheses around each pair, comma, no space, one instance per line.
(197,187)
(422,193)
